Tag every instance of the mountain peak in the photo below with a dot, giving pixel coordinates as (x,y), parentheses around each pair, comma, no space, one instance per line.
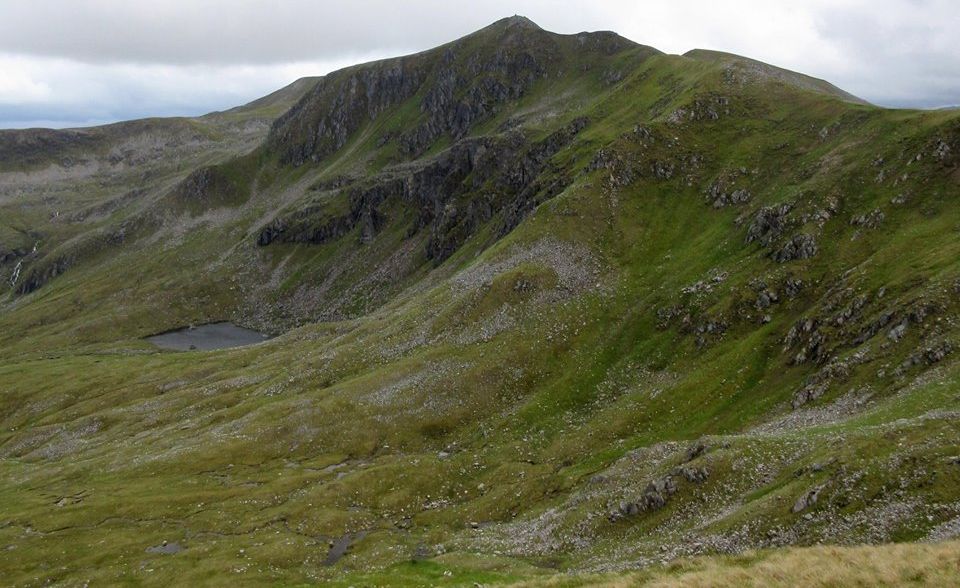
(512,24)
(518,20)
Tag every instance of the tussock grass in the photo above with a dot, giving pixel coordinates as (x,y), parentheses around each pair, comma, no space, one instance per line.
(814,567)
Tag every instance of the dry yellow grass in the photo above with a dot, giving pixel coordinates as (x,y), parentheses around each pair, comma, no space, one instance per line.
(905,564)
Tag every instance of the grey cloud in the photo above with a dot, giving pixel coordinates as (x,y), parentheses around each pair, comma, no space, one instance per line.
(230,31)
(907,55)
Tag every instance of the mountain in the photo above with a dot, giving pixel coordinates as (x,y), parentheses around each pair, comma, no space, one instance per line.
(540,304)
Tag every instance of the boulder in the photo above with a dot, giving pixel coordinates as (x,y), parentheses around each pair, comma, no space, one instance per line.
(807,500)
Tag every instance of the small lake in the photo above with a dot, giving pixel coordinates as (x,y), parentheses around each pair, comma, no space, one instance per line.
(207,337)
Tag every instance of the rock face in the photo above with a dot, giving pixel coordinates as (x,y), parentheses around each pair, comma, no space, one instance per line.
(41,275)
(339,104)
(452,193)
(461,98)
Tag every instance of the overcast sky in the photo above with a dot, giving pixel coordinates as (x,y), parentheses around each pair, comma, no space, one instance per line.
(80,62)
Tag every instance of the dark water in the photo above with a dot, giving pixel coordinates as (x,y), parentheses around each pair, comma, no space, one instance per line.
(165,548)
(339,547)
(207,337)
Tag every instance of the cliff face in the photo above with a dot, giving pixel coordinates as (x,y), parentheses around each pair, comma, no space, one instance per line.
(339,104)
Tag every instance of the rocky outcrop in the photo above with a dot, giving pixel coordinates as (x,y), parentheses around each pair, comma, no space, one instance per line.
(705,108)
(802,246)
(793,286)
(525,180)
(634,157)
(942,150)
(807,499)
(724,191)
(309,225)
(765,298)
(658,492)
(721,199)
(835,370)
(654,497)
(692,474)
(869,220)
(698,449)
(945,147)
(768,224)
(708,329)
(12,254)
(806,334)
(927,355)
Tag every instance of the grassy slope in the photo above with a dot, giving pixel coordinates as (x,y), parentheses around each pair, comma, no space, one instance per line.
(526,384)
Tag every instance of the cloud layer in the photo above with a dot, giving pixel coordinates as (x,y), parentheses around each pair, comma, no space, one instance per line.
(70,62)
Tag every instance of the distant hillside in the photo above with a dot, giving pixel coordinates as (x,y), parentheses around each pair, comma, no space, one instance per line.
(750,67)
